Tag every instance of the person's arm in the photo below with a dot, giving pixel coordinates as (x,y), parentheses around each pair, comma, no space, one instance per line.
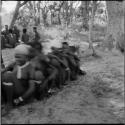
(27,94)
(31,87)
(9,67)
(49,78)
(27,38)
(30,90)
(22,39)
(18,33)
(53,73)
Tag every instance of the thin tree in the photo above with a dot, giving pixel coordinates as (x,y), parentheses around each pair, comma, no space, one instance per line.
(115,27)
(91,22)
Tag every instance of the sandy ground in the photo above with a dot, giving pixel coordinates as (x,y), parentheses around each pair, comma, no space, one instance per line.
(97,97)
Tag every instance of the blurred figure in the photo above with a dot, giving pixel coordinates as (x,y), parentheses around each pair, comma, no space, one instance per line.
(16,32)
(2,63)
(36,37)
(25,36)
(3,42)
(11,38)
(6,31)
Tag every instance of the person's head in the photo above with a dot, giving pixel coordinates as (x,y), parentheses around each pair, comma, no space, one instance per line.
(14,27)
(10,31)
(53,48)
(6,27)
(65,45)
(21,54)
(39,76)
(38,47)
(34,29)
(2,33)
(24,30)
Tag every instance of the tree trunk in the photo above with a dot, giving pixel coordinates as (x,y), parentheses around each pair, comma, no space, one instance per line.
(38,7)
(115,25)
(15,14)
(71,11)
(19,4)
(0,26)
(51,18)
(59,20)
(91,22)
(85,14)
(66,13)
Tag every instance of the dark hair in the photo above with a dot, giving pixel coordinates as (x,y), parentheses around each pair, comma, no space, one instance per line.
(38,46)
(2,33)
(24,30)
(10,31)
(35,45)
(34,27)
(65,43)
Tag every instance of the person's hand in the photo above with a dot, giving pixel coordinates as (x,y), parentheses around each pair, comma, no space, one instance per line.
(2,70)
(43,85)
(16,101)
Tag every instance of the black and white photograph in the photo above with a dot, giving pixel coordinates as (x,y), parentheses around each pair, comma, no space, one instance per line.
(62,62)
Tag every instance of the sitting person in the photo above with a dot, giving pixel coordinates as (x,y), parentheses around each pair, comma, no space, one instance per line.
(19,79)
(42,63)
(74,59)
(4,41)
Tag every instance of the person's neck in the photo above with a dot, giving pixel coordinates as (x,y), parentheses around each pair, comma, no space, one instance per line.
(25,64)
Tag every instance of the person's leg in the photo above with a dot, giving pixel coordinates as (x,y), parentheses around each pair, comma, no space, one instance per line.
(8,89)
(67,70)
(13,88)
(72,65)
(58,69)
(80,71)
(39,78)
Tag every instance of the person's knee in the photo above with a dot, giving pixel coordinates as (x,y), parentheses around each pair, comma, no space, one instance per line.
(39,77)
(7,77)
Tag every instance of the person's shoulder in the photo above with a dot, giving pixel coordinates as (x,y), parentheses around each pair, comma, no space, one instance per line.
(8,35)
(14,34)
(13,63)
(27,35)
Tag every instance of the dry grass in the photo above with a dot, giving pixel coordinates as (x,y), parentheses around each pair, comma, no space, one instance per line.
(86,100)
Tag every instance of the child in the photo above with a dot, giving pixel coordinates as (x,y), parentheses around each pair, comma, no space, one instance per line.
(19,82)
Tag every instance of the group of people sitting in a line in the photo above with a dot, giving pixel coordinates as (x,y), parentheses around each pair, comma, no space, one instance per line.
(36,75)
(11,37)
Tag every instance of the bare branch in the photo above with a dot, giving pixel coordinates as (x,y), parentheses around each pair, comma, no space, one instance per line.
(21,4)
